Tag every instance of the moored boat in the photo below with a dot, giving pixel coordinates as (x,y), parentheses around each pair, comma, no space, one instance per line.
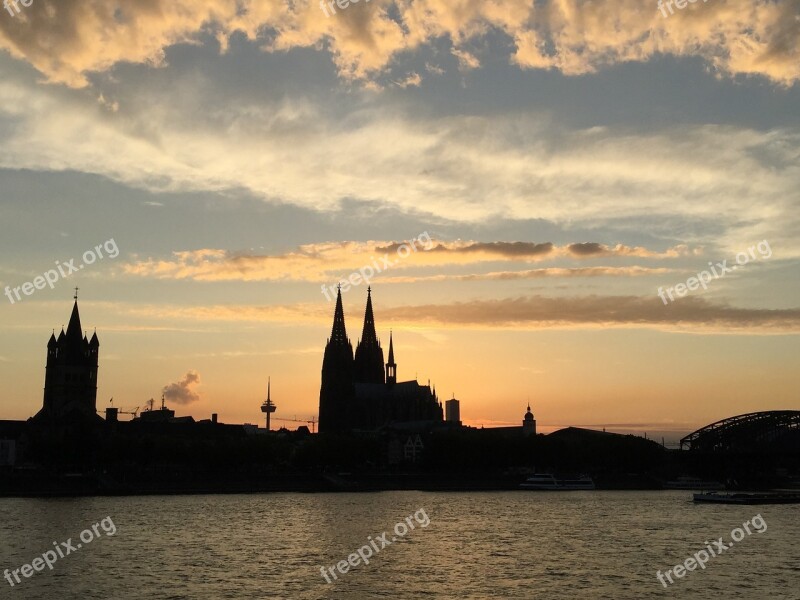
(747,498)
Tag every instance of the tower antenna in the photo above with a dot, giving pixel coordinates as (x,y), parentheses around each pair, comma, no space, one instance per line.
(268,407)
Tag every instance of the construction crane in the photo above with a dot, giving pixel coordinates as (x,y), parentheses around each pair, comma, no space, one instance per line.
(312,422)
(135,412)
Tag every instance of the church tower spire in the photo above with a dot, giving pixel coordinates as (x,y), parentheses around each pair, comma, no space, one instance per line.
(339,331)
(368,334)
(337,390)
(369,354)
(391,366)
(74,328)
(70,385)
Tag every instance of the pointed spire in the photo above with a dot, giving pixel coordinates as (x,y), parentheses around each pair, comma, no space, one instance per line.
(368,335)
(338,332)
(369,365)
(74,328)
(391,366)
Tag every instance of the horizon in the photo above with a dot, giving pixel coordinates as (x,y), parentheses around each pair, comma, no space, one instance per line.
(175,394)
(588,206)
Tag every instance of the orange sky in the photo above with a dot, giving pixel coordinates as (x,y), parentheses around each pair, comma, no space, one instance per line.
(526,179)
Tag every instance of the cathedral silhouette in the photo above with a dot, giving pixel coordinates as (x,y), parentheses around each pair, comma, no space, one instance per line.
(357,393)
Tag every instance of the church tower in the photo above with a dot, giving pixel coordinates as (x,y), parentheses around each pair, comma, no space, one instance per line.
(369,354)
(337,392)
(528,422)
(70,383)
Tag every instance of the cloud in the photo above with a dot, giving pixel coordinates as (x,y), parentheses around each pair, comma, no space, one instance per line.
(534,274)
(500,249)
(466,61)
(460,169)
(686,315)
(329,261)
(595,250)
(412,80)
(66,40)
(182,392)
(691,313)
(434,70)
(314,313)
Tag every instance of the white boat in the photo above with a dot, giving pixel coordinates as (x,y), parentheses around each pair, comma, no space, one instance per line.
(547,481)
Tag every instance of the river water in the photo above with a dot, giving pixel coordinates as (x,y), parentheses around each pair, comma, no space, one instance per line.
(474,545)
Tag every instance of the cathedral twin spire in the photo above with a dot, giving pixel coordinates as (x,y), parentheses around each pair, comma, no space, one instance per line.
(357,393)
(368,360)
(369,354)
(368,335)
(338,331)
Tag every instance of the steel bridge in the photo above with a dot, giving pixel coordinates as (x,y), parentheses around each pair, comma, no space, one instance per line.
(760,431)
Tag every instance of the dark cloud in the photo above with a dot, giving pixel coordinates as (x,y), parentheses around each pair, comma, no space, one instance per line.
(588,249)
(599,310)
(536,274)
(520,249)
(506,249)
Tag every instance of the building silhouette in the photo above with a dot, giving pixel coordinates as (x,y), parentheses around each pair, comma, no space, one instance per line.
(453,411)
(70,383)
(361,392)
(528,422)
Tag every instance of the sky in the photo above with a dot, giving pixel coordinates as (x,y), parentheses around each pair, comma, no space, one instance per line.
(538,186)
